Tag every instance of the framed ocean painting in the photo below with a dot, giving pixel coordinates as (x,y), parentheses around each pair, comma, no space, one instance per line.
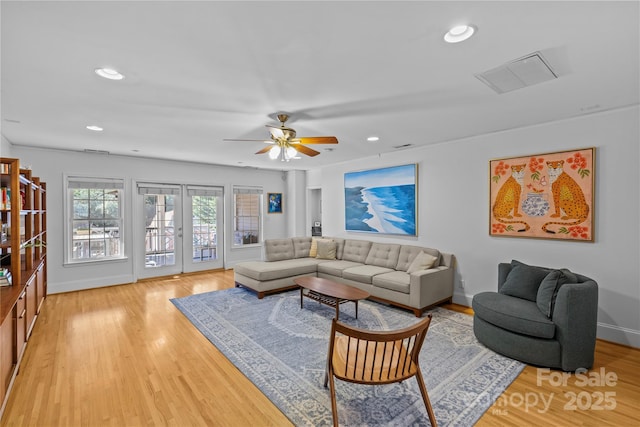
(547,196)
(382,200)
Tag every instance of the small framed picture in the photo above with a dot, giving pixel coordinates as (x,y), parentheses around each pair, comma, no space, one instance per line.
(274,203)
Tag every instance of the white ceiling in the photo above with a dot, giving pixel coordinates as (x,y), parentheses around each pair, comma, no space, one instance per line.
(199,72)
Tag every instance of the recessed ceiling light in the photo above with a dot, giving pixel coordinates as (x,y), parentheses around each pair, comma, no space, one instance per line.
(373,138)
(459,33)
(109,73)
(95,128)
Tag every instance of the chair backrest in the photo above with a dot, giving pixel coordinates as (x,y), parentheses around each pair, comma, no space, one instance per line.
(376,357)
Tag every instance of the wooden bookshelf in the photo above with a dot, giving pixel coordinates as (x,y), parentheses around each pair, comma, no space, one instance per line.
(23,254)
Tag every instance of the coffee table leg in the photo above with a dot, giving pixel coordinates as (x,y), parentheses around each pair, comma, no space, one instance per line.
(356,301)
(337,309)
(301,297)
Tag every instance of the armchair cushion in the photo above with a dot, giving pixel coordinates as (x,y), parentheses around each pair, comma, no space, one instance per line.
(513,314)
(523,281)
(549,287)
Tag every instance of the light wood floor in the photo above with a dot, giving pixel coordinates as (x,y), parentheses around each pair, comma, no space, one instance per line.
(124,355)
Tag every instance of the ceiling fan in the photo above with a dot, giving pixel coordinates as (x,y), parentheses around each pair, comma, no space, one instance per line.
(285,145)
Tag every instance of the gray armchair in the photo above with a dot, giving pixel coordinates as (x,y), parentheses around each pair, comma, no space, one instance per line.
(559,332)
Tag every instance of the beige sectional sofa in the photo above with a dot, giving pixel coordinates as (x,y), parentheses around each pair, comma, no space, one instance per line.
(401,275)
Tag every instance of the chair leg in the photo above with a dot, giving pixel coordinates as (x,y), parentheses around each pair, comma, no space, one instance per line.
(425,397)
(334,405)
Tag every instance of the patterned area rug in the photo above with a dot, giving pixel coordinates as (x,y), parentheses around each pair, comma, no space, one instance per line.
(282,350)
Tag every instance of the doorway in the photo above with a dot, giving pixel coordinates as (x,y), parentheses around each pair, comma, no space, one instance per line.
(181,229)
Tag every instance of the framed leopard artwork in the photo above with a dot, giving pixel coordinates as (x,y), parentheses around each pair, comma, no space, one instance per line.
(546,196)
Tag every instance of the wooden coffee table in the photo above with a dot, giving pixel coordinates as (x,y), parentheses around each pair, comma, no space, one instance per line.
(329,292)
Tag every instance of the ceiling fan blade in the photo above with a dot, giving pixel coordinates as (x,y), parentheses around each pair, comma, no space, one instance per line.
(264,150)
(266,141)
(318,140)
(305,150)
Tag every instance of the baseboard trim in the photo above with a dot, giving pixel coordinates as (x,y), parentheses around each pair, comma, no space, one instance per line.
(612,333)
(462,299)
(619,335)
(81,285)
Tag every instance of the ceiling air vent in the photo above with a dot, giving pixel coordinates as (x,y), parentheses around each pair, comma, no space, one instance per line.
(402,146)
(90,151)
(526,71)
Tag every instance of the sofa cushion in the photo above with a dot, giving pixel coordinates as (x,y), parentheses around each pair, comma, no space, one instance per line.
(408,254)
(422,261)
(335,268)
(301,246)
(548,290)
(278,249)
(326,249)
(383,255)
(356,250)
(514,314)
(523,281)
(262,271)
(394,280)
(364,273)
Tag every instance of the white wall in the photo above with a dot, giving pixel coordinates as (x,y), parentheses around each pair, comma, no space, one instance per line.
(454,210)
(50,165)
(5,147)
(295,202)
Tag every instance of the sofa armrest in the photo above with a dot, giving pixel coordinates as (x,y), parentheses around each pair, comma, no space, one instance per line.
(427,287)
(446,260)
(576,315)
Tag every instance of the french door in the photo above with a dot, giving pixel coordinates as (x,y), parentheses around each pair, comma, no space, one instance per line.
(180,229)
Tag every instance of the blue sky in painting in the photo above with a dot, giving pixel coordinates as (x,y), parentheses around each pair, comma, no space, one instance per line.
(392,176)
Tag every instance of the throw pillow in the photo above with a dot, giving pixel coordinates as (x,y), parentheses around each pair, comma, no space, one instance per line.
(314,248)
(326,249)
(548,290)
(422,261)
(523,281)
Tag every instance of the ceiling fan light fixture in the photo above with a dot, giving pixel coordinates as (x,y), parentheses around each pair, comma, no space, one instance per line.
(274,153)
(459,33)
(291,153)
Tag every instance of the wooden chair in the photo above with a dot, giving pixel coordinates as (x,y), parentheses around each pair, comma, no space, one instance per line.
(376,357)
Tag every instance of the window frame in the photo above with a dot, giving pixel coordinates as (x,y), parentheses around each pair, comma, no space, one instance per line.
(260,215)
(72,183)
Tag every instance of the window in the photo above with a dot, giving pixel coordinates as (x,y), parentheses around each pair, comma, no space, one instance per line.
(94,218)
(247,214)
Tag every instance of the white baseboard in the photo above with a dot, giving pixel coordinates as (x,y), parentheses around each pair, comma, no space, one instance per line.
(80,285)
(462,299)
(624,336)
(613,333)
